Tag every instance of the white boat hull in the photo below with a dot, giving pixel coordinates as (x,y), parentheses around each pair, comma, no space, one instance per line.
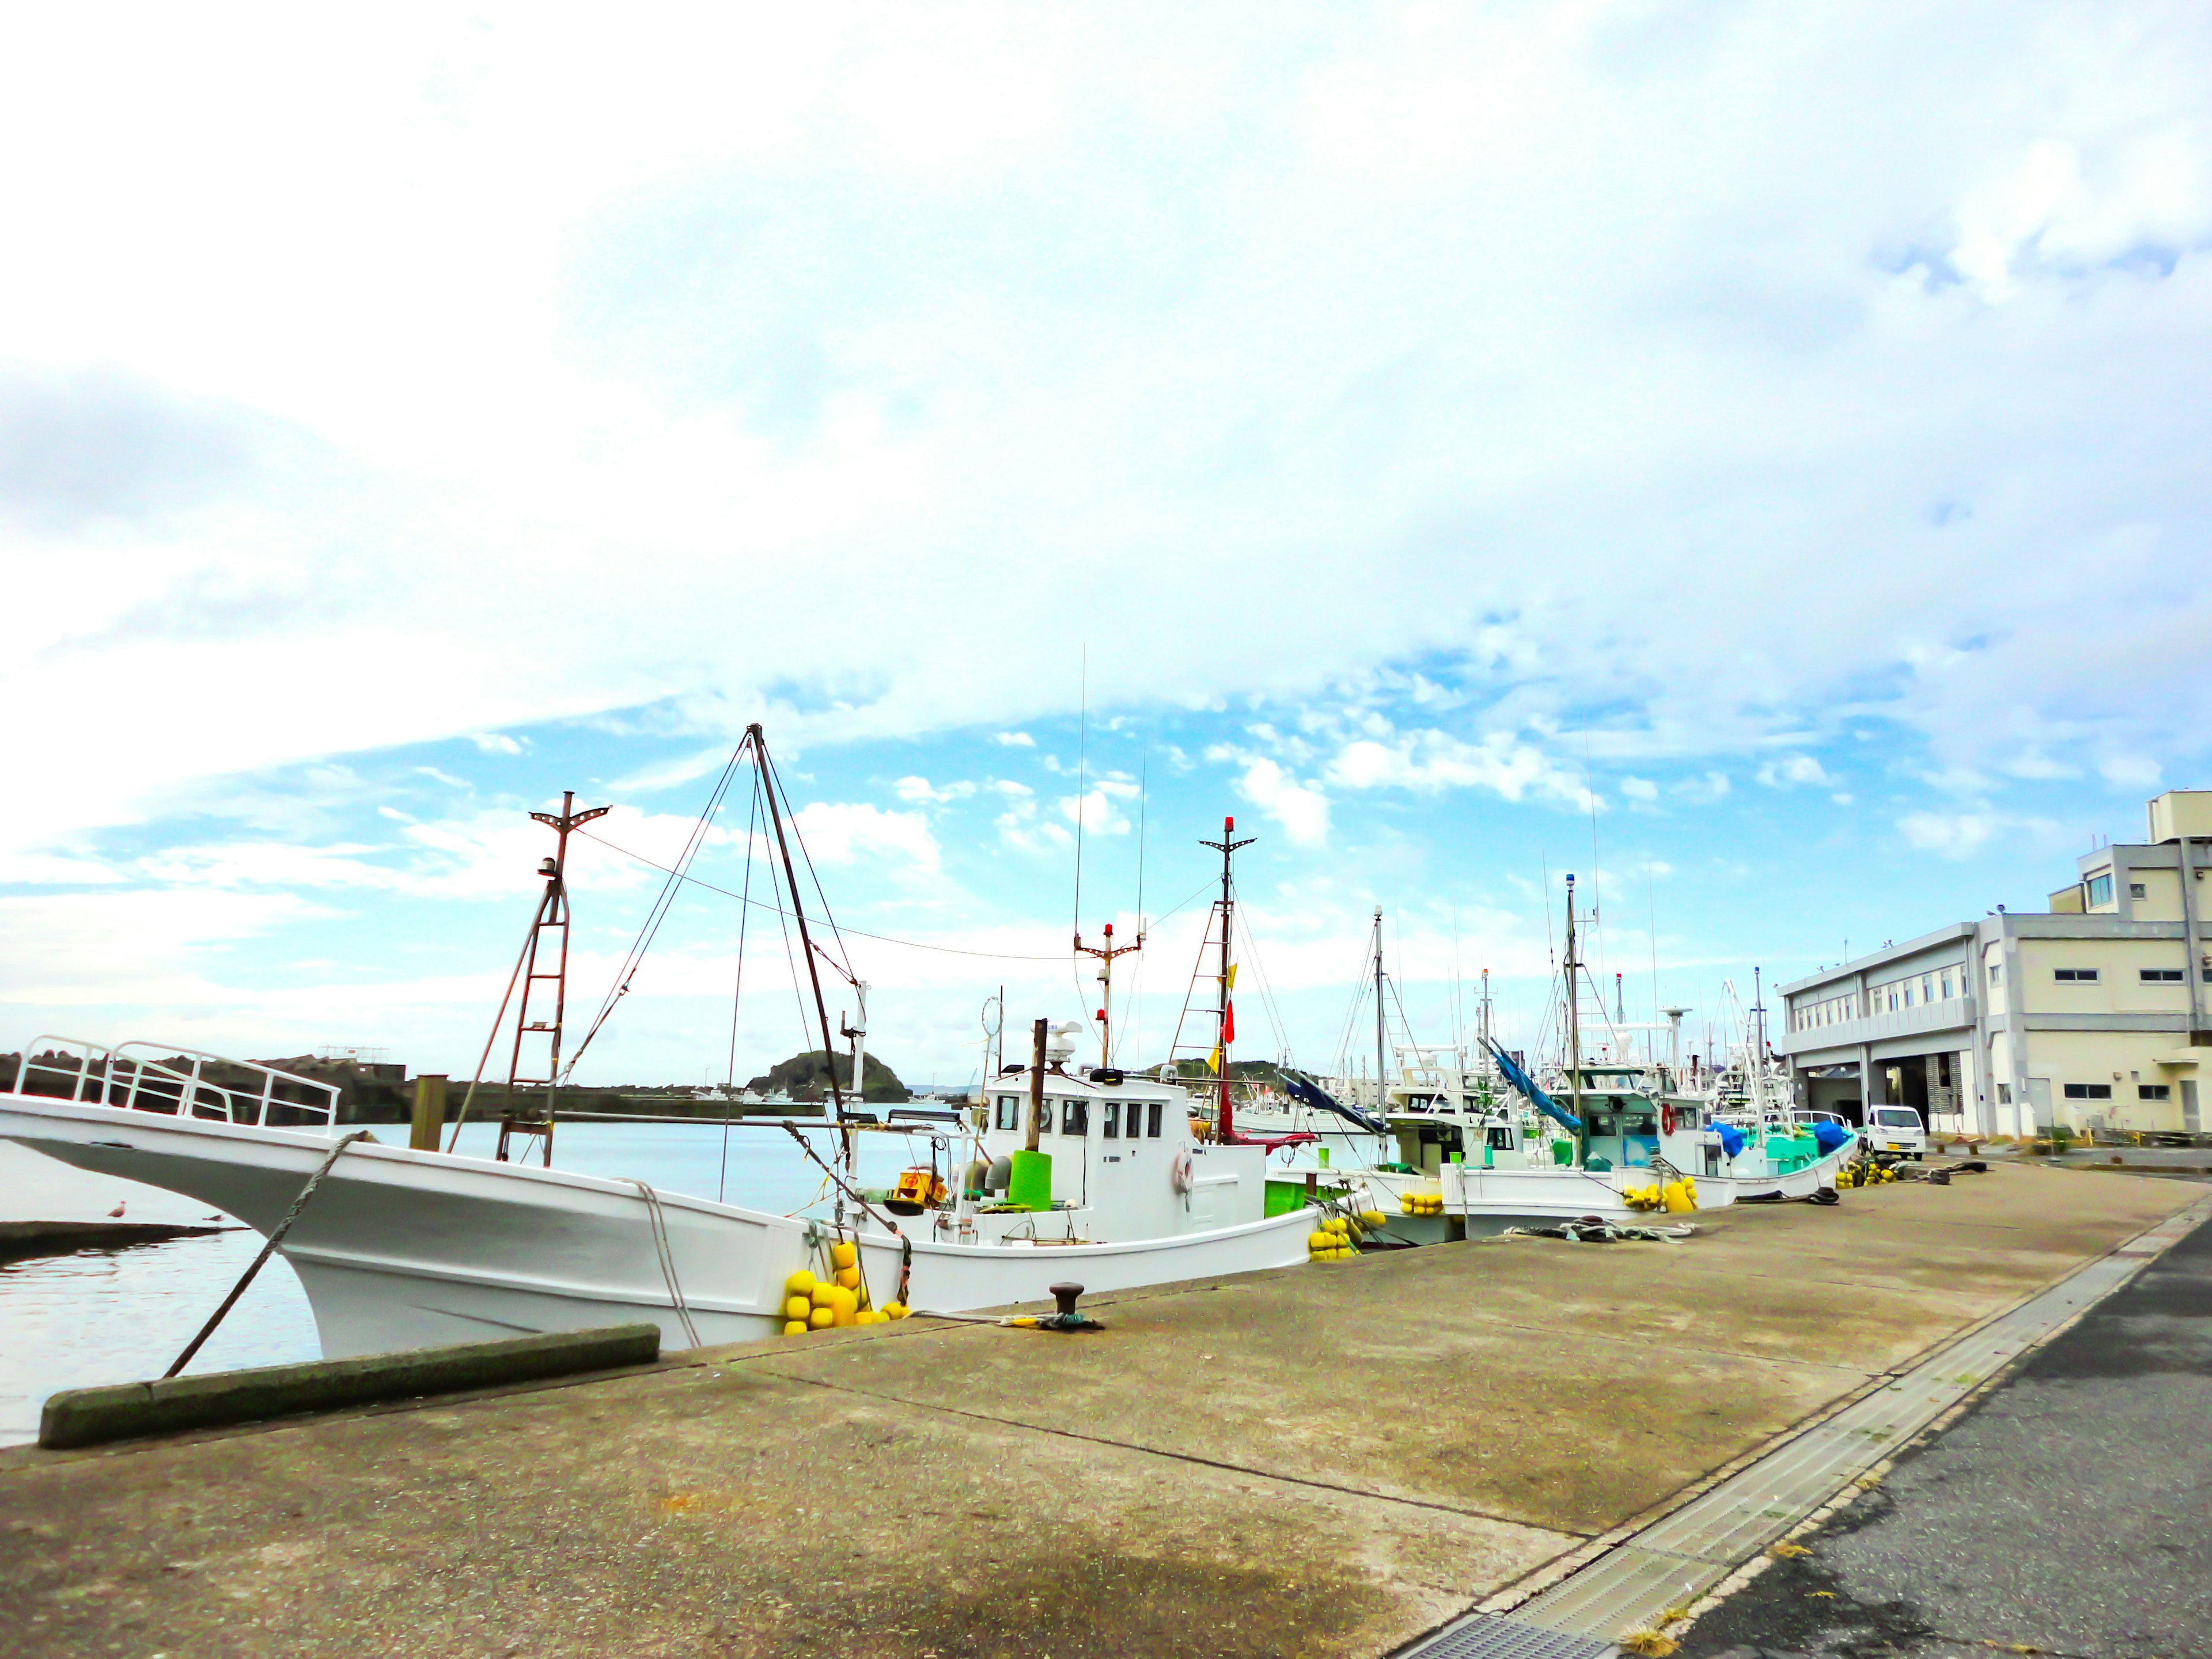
(401,1248)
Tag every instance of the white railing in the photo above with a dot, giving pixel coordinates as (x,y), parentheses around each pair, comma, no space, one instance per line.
(145,1077)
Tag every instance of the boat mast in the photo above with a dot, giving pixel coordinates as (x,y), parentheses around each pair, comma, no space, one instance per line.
(806,949)
(553,918)
(1224,1125)
(1575,1033)
(1382,1099)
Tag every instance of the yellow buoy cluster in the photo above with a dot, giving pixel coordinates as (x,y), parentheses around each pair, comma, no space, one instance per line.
(1336,1239)
(1864,1174)
(1676,1197)
(1421,1203)
(824,1304)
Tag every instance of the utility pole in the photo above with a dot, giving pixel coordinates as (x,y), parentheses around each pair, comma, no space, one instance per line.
(1106,953)
(1224,1127)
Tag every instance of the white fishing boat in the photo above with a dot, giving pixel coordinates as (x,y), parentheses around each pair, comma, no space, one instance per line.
(399,1248)
(1088,1177)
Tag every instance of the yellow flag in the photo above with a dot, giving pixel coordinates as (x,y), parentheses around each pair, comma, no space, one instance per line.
(1213,1062)
(1232,975)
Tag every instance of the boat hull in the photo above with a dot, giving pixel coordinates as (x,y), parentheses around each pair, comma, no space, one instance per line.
(401,1248)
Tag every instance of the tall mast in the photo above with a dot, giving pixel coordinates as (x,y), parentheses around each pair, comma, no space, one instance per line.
(1574,1031)
(805,948)
(552,918)
(1382,1099)
(1224,1125)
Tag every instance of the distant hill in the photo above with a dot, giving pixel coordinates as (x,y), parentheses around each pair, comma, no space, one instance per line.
(805,1077)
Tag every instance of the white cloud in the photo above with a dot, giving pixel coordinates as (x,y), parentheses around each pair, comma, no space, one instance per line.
(1015,739)
(1704,791)
(921,791)
(1432,761)
(1096,809)
(1787,769)
(846,833)
(492,743)
(1639,788)
(1301,808)
(2129,771)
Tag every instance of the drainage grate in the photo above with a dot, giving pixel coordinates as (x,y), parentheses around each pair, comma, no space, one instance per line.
(1682,1555)
(1486,1636)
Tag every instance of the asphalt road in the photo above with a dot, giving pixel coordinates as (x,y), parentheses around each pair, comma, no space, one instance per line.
(2070,1513)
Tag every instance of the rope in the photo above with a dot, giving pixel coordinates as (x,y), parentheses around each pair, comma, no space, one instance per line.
(275,1238)
(657,1223)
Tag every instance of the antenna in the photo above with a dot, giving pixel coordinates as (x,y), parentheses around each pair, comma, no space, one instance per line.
(1082,753)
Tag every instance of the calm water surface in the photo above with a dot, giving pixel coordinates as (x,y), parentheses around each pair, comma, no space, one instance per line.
(98,1316)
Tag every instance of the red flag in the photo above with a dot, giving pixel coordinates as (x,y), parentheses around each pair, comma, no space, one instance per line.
(1228,1023)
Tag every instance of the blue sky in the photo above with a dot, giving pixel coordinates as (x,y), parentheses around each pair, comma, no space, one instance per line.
(1754,456)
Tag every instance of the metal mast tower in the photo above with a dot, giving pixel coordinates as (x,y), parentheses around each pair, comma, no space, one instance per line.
(553,914)
(1225,1123)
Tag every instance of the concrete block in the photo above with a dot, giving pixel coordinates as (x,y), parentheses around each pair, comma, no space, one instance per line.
(88,1417)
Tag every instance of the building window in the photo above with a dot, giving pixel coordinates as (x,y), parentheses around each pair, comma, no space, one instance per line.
(1996,972)
(1908,993)
(2136,890)
(2153,1091)
(2076,975)
(2162,975)
(2101,890)
(2089,1091)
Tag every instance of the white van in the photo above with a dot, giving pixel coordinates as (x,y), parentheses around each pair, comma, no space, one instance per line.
(1895,1131)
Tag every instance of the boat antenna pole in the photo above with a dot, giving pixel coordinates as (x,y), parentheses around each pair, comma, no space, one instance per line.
(1224,1125)
(1106,953)
(1575,1034)
(1381,1098)
(805,944)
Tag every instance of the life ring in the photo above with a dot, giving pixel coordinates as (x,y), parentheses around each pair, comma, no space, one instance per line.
(1179,1171)
(1666,1118)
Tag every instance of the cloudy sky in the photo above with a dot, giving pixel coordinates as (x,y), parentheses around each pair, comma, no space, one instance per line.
(1749,456)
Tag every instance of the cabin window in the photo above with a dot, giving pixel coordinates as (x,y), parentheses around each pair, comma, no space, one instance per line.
(1010,1111)
(1500,1138)
(1075,1117)
(1686,1117)
(1152,1121)
(1109,1124)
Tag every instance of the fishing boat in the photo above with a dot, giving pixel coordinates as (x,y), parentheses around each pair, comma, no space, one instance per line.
(1086,1176)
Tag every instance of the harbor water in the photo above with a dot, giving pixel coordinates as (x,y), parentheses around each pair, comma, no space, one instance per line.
(121,1315)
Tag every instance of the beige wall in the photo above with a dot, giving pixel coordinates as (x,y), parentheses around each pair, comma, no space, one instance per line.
(2122,1061)
(2119,988)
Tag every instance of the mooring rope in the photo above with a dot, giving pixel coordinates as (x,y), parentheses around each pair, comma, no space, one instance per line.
(267,1249)
(657,1223)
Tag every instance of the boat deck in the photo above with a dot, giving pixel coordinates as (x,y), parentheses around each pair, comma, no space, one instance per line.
(1325,1460)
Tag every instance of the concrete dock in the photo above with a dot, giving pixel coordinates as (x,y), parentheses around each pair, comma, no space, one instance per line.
(1324,1461)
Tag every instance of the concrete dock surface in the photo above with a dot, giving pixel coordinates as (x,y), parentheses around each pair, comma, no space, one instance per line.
(1327,1459)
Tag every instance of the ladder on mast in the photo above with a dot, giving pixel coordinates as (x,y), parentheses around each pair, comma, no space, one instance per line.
(527,1121)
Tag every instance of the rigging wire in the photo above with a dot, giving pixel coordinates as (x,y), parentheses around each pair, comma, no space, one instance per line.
(737,992)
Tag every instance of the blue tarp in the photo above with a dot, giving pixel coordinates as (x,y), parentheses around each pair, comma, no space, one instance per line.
(1310,1094)
(1732,1138)
(1827,1135)
(1526,1085)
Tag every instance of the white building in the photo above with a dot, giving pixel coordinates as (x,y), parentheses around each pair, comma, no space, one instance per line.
(2092,1014)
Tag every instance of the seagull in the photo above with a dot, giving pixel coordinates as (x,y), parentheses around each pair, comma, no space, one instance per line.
(116,1214)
